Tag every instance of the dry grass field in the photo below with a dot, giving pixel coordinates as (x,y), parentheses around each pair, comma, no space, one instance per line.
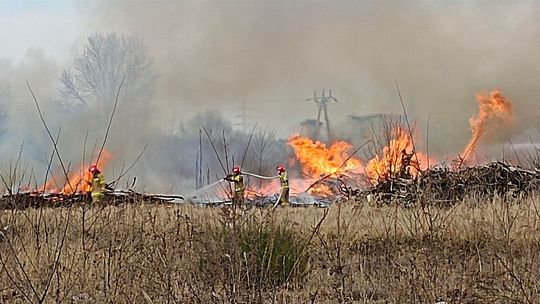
(475,252)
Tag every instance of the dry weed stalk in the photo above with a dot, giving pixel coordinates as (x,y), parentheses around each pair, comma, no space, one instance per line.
(474,252)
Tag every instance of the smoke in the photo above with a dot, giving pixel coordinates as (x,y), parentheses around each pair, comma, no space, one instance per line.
(20,124)
(273,54)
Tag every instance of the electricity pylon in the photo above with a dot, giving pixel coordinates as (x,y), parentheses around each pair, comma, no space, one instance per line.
(322,104)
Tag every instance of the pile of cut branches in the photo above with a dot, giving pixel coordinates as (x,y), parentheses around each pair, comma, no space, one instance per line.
(44,200)
(443,186)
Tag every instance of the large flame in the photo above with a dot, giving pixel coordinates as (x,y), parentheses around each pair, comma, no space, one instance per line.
(389,164)
(494,109)
(317,159)
(77,180)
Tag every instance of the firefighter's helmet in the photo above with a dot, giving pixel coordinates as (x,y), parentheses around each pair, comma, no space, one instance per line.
(236,170)
(280,168)
(93,169)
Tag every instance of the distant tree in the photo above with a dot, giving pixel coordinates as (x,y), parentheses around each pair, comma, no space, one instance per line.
(98,71)
(264,153)
(212,120)
(4,99)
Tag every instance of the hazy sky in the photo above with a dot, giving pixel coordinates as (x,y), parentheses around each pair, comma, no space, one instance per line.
(271,55)
(53,26)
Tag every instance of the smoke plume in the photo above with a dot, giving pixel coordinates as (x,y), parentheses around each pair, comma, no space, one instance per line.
(273,54)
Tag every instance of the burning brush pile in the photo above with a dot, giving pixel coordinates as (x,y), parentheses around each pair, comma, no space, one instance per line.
(412,181)
(322,174)
(72,190)
(400,174)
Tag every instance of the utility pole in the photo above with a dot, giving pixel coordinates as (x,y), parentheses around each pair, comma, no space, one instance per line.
(322,104)
(243,117)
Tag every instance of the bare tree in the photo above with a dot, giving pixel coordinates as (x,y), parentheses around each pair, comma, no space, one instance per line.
(263,142)
(212,120)
(98,71)
(259,152)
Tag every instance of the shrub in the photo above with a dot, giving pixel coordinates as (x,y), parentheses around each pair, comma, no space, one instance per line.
(257,252)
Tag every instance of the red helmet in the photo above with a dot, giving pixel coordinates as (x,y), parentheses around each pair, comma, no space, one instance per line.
(280,168)
(93,169)
(236,170)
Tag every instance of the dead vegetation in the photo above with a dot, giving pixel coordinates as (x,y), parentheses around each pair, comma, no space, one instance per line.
(473,252)
(444,186)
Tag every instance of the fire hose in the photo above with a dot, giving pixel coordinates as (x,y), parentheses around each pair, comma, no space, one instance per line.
(277,201)
(260,176)
(245,173)
(269,178)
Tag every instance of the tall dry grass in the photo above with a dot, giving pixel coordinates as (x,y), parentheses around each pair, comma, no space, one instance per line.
(475,252)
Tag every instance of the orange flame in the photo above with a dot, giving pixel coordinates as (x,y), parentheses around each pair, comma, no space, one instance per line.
(317,159)
(77,181)
(321,190)
(493,108)
(390,164)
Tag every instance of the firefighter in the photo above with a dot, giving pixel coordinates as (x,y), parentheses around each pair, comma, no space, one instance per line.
(406,159)
(284,182)
(97,184)
(239,187)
